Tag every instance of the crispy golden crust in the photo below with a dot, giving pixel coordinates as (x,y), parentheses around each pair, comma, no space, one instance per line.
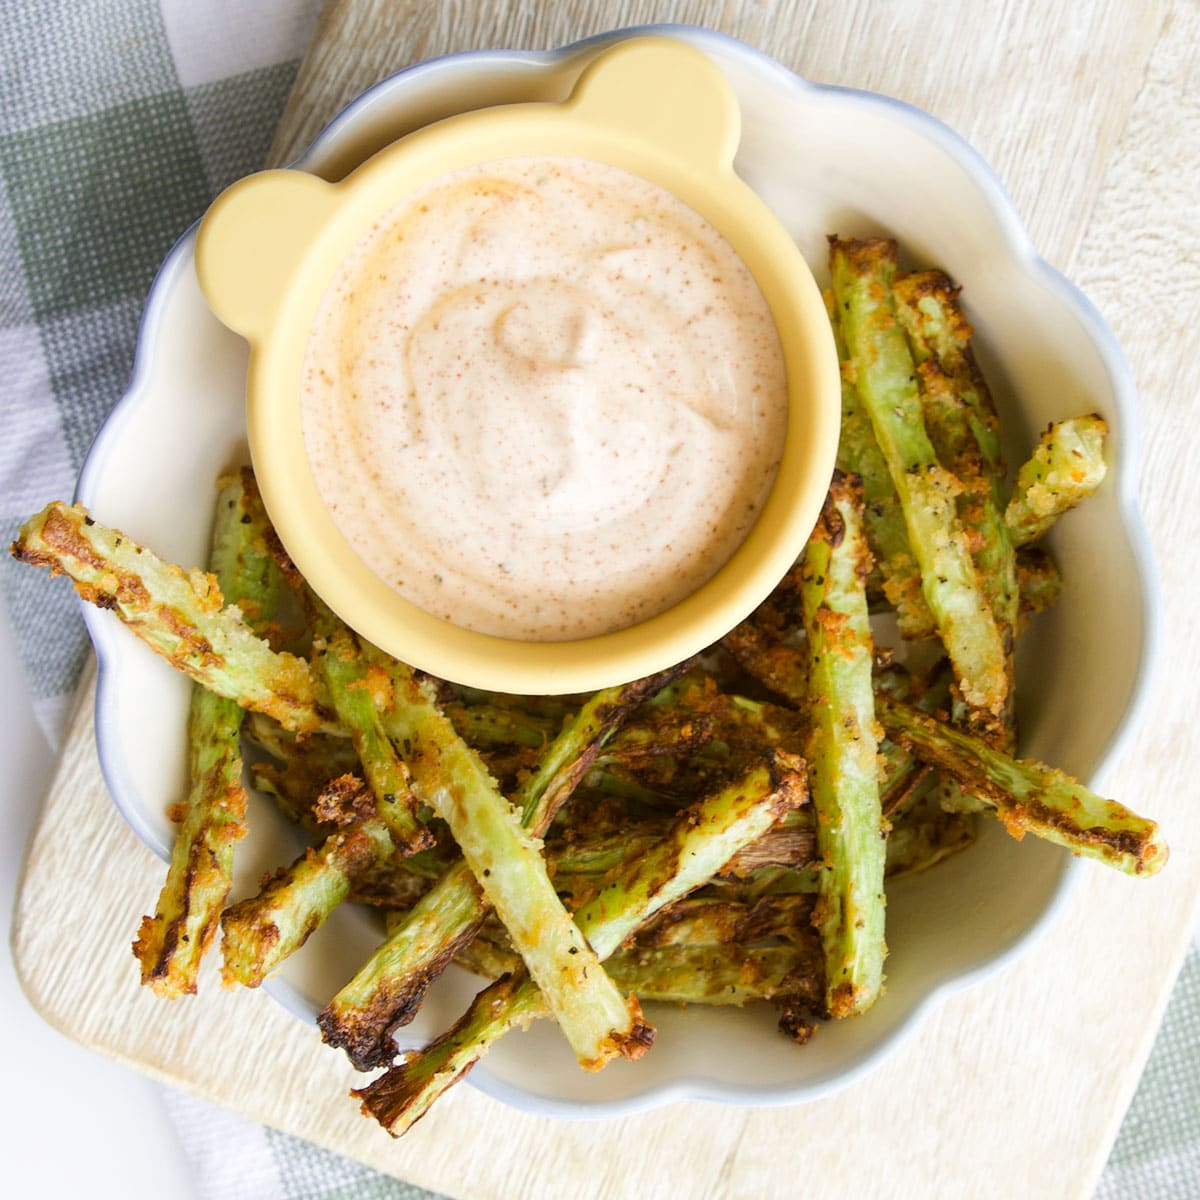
(864,254)
(343,801)
(631,1045)
(167,949)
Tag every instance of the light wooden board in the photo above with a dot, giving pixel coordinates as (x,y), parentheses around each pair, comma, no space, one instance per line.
(1090,115)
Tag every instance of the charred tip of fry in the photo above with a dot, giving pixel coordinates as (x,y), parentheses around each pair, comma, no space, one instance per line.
(365,1047)
(863,254)
(797,1019)
(914,285)
(639,1039)
(365,1034)
(392,1098)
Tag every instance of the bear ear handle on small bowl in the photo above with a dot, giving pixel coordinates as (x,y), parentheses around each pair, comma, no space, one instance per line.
(270,245)
(256,233)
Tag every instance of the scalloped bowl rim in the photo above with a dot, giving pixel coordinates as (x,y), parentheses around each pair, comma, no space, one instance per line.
(1021,248)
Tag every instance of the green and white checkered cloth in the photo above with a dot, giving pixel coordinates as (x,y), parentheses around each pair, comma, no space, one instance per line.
(119,121)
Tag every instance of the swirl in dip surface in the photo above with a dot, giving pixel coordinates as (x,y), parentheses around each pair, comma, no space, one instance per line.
(544,399)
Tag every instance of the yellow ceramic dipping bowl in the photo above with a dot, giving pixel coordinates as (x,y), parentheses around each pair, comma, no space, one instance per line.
(270,245)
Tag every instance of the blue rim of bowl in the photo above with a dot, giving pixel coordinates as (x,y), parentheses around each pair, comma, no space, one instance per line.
(1021,247)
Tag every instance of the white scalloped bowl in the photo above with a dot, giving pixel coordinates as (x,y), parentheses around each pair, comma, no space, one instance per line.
(826,160)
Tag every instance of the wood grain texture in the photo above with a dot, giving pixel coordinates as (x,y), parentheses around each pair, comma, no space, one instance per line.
(1042,90)
(1089,112)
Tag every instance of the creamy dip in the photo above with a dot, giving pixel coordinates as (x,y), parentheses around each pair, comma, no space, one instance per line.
(543,398)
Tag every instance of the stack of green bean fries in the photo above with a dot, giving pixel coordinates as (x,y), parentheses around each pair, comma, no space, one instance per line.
(720,833)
